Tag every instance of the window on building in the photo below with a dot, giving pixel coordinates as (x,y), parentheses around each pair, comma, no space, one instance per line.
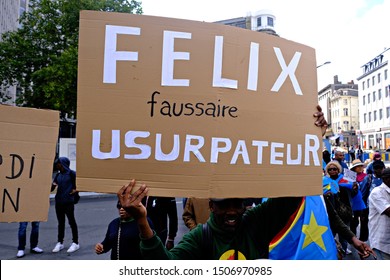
(385,74)
(368,98)
(373,80)
(346,125)
(387,91)
(373,96)
(365,117)
(379,78)
(380,114)
(364,84)
(345,101)
(258,21)
(240,24)
(368,83)
(270,21)
(388,112)
(345,112)
(364,100)
(374,115)
(379,94)
(369,117)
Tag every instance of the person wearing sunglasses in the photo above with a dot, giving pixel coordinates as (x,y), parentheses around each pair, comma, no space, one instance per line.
(338,192)
(122,237)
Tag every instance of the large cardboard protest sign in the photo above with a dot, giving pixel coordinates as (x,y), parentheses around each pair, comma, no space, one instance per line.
(194,109)
(28,140)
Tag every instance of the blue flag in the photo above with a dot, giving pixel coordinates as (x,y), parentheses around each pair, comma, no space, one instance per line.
(307,236)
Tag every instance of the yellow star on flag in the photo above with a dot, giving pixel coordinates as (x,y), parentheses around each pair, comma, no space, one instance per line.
(313,233)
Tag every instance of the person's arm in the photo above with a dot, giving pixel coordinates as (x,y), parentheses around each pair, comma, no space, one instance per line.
(189,215)
(335,221)
(344,231)
(54,184)
(387,212)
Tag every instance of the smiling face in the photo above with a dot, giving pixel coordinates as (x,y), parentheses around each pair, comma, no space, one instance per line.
(228,213)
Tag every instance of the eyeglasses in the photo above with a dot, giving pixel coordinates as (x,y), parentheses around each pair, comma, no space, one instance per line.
(333,169)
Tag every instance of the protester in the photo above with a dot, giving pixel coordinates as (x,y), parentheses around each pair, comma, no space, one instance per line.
(196,211)
(34,236)
(370,167)
(370,182)
(340,193)
(163,213)
(359,153)
(351,153)
(379,217)
(65,181)
(358,205)
(339,156)
(122,237)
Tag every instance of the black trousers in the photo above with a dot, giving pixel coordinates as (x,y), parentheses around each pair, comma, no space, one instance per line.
(62,210)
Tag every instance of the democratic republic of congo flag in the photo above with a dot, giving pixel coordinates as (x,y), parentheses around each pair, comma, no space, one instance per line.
(307,236)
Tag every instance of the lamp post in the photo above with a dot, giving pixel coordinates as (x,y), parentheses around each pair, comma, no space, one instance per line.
(326,62)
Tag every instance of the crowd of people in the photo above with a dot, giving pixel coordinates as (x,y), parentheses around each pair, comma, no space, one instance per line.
(233,228)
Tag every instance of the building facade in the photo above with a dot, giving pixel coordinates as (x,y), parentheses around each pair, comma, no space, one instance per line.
(10,12)
(340,105)
(344,110)
(374,103)
(262,21)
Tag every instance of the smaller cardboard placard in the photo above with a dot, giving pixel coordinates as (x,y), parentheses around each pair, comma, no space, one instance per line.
(28,140)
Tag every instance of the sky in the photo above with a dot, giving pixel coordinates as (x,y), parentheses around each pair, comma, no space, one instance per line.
(348,33)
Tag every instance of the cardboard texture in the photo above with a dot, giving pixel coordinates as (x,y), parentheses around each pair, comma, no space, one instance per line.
(28,139)
(194,109)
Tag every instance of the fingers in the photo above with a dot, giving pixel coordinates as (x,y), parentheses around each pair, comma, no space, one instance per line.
(127,197)
(126,189)
(138,195)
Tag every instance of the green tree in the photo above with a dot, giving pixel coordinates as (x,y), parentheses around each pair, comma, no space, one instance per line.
(40,58)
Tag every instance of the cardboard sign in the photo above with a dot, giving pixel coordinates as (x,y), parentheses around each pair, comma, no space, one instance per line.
(28,139)
(194,109)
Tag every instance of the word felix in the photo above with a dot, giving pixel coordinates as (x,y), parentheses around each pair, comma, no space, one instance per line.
(112,56)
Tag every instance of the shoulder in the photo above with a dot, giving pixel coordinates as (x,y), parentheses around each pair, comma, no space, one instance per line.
(114,222)
(377,192)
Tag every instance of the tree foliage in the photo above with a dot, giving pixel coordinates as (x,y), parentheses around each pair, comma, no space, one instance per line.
(40,57)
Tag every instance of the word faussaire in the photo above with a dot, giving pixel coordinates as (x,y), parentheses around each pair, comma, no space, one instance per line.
(280,153)
(210,109)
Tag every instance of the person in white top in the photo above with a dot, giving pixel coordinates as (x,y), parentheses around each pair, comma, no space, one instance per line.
(379,218)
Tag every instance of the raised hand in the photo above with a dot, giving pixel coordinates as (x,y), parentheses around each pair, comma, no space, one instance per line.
(131,200)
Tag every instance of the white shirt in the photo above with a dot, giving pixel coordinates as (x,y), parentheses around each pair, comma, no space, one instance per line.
(378,222)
